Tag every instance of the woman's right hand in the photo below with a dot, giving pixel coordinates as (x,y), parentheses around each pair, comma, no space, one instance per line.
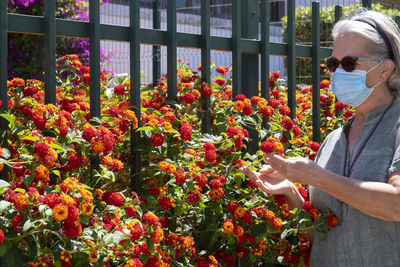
(269,180)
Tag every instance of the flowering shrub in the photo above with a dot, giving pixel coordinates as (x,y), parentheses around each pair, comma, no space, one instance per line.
(67,203)
(29,48)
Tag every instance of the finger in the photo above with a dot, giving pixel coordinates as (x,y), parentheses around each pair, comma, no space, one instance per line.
(263,186)
(266,169)
(276,159)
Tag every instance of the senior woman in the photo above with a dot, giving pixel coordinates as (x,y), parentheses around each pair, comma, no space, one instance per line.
(356,173)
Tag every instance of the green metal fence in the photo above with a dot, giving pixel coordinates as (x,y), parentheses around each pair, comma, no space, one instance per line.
(244,45)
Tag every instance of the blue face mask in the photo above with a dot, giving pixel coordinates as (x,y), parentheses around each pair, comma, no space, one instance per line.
(350,87)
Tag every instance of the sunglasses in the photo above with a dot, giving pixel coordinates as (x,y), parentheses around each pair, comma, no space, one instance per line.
(348,62)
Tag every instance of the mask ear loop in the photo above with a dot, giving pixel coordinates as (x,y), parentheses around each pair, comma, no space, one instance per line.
(373,87)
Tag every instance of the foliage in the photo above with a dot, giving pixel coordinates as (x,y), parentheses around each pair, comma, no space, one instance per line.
(303,17)
(67,202)
(29,48)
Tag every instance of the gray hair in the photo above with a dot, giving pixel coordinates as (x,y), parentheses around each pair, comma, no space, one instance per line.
(384,39)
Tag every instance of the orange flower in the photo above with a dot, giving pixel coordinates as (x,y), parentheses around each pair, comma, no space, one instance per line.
(277,223)
(238,230)
(20,201)
(86,208)
(97,145)
(238,106)
(158,235)
(60,212)
(228,226)
(42,173)
(239,212)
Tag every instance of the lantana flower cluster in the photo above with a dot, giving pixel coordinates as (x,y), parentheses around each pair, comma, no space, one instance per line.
(67,200)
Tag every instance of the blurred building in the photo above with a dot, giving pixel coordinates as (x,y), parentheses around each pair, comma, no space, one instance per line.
(116,12)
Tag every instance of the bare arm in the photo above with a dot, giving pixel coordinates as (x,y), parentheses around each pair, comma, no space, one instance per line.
(380,200)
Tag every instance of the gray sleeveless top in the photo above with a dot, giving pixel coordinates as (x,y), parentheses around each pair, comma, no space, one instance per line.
(361,240)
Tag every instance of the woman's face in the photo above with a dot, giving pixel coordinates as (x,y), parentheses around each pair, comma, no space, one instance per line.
(353,45)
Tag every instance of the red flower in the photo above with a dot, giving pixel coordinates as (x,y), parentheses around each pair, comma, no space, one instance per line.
(119,90)
(186,131)
(211,156)
(287,123)
(208,146)
(30,91)
(113,198)
(284,110)
(1,236)
(324,84)
(73,214)
(130,211)
(267,146)
(89,133)
(307,206)
(206,91)
(240,97)
(136,232)
(221,70)
(84,69)
(193,197)
(314,146)
(241,252)
(72,230)
(275,75)
(41,149)
(74,161)
(86,78)
(220,81)
(296,131)
(150,218)
(16,220)
(332,220)
(340,106)
(275,93)
(157,139)
(188,98)
(51,200)
(165,203)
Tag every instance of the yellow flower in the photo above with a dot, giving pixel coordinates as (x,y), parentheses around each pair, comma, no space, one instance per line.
(60,212)
(86,208)
(67,200)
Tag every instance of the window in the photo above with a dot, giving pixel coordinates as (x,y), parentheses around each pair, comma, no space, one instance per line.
(277,10)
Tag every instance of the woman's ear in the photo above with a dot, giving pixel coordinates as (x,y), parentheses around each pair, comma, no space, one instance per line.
(387,69)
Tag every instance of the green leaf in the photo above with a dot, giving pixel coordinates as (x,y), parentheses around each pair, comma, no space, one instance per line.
(145,128)
(259,229)
(27,225)
(4,205)
(252,202)
(28,180)
(4,184)
(84,219)
(9,118)
(4,247)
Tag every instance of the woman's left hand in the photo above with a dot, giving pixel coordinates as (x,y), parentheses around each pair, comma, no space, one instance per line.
(299,170)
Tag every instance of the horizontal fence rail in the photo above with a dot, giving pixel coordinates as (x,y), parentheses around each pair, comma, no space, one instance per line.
(244,45)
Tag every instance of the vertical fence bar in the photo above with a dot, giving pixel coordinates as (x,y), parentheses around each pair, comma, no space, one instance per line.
(316,74)
(291,72)
(94,58)
(3,85)
(366,3)
(265,49)
(134,31)
(171,49)
(250,61)
(205,60)
(236,48)
(94,20)
(249,86)
(338,13)
(50,51)
(156,48)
